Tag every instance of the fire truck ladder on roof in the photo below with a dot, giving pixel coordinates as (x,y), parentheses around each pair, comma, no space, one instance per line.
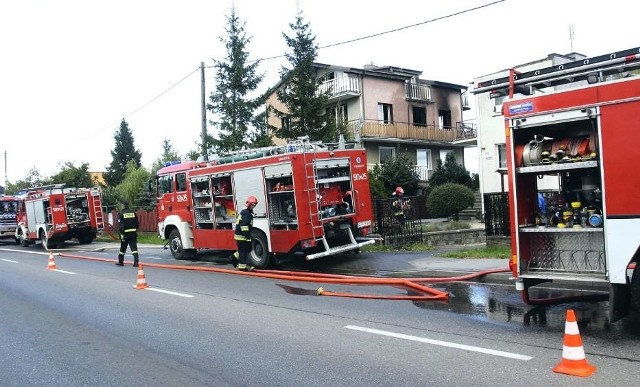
(301,144)
(592,70)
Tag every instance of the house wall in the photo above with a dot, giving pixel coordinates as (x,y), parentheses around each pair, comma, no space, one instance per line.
(380,90)
(272,119)
(444,99)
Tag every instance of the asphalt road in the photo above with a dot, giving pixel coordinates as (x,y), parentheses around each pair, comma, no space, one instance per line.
(85,324)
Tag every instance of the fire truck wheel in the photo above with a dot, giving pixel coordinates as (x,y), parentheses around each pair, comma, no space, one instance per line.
(85,239)
(260,256)
(176,248)
(23,240)
(46,242)
(635,290)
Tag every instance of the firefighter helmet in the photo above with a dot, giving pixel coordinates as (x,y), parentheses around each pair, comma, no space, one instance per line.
(348,193)
(252,200)
(399,190)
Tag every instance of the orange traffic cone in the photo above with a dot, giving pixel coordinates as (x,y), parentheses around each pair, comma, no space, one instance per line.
(52,262)
(142,281)
(573,360)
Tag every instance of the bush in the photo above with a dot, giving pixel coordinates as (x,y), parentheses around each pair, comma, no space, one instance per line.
(447,200)
(450,172)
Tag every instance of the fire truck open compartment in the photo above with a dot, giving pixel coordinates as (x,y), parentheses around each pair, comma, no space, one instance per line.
(560,241)
(212,202)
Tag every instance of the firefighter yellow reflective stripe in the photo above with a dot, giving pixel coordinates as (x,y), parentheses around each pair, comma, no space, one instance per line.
(241,238)
(244,228)
(128,215)
(131,230)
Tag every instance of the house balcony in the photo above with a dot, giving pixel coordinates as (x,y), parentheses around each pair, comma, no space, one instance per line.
(374,129)
(417,92)
(343,87)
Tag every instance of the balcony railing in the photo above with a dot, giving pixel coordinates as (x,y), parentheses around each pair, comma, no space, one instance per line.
(466,131)
(343,85)
(403,130)
(417,92)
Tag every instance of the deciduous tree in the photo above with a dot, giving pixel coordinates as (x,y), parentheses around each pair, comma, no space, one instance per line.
(72,176)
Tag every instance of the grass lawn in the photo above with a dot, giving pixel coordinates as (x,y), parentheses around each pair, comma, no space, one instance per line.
(148,238)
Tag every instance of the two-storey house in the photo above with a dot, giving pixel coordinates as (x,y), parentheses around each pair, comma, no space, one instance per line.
(388,110)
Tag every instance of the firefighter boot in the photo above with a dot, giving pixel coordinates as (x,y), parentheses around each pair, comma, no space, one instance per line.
(234,259)
(244,267)
(135,260)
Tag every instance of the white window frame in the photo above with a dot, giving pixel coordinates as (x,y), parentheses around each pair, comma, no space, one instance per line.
(444,153)
(501,152)
(385,113)
(427,158)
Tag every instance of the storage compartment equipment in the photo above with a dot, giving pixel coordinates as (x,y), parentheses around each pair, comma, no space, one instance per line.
(560,230)
(213,202)
(281,198)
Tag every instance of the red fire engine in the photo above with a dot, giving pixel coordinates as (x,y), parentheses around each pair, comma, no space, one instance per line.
(586,134)
(54,214)
(8,223)
(311,200)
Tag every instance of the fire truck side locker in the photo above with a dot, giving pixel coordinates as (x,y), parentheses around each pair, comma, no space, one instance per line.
(592,237)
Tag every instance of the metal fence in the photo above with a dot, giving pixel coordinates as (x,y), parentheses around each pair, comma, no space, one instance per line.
(399,231)
(496,214)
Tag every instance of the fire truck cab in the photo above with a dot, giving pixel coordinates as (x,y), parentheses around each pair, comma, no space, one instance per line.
(586,135)
(54,214)
(311,200)
(8,216)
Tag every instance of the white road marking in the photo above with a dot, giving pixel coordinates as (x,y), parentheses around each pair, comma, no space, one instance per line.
(442,343)
(170,292)
(26,251)
(63,271)
(8,260)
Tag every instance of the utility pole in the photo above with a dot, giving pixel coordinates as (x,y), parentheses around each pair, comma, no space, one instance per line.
(571,36)
(204,115)
(6,178)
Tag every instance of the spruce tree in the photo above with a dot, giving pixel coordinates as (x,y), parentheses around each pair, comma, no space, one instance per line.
(306,110)
(123,152)
(236,78)
(168,154)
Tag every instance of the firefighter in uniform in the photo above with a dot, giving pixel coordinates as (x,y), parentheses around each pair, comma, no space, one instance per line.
(128,228)
(242,235)
(400,205)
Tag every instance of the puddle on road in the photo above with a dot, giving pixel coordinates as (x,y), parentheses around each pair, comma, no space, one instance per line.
(503,304)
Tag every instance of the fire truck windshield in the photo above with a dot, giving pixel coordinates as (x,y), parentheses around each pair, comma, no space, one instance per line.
(8,207)
(165,184)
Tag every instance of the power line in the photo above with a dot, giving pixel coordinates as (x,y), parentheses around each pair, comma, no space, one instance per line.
(161,94)
(330,45)
(400,28)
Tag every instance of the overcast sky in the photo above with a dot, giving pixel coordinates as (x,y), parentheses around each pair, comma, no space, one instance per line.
(71,70)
